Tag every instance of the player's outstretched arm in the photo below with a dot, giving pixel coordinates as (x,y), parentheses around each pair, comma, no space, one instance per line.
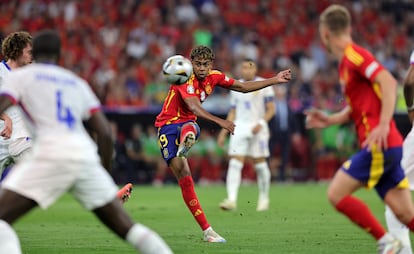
(100,125)
(194,105)
(316,118)
(250,86)
(409,92)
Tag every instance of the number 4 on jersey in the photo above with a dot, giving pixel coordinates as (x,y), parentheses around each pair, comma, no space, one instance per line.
(64,114)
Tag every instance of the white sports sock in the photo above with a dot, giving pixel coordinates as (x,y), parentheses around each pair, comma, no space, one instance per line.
(398,230)
(263,179)
(9,242)
(233,179)
(147,241)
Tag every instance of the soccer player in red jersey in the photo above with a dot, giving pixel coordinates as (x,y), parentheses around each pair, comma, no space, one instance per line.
(178,130)
(370,91)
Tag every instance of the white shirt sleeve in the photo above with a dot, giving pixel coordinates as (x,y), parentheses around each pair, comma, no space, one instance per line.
(412,58)
(12,86)
(90,101)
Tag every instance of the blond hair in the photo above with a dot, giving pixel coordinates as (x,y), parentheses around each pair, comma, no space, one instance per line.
(336,18)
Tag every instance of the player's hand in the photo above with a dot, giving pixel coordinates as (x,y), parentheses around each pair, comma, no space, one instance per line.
(227,125)
(316,118)
(283,76)
(256,128)
(377,137)
(8,127)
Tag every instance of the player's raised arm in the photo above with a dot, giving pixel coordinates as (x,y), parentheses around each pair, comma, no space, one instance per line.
(194,105)
(250,86)
(409,91)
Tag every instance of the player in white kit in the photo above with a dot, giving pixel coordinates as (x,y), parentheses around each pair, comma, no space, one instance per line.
(15,141)
(64,158)
(395,227)
(250,113)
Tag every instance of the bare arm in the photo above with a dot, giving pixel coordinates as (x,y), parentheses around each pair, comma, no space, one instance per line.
(316,118)
(195,106)
(250,86)
(379,134)
(409,92)
(101,127)
(8,126)
(223,132)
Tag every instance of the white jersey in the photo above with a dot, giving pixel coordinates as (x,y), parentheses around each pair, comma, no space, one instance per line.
(19,129)
(250,107)
(56,101)
(407,161)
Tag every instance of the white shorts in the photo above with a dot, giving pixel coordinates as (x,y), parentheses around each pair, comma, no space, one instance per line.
(407,161)
(44,180)
(244,143)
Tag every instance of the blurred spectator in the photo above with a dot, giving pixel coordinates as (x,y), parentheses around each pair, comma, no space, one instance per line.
(283,127)
(137,170)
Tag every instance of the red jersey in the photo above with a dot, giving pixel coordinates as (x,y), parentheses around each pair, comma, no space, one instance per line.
(175,110)
(357,72)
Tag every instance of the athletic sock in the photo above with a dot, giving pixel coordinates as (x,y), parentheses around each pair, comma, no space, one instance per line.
(9,242)
(263,179)
(410,225)
(233,179)
(186,128)
(399,230)
(360,214)
(146,241)
(190,198)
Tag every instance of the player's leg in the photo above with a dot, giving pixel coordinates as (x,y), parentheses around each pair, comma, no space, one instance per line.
(233,181)
(141,237)
(13,206)
(189,133)
(354,174)
(263,183)
(238,148)
(259,150)
(96,191)
(181,170)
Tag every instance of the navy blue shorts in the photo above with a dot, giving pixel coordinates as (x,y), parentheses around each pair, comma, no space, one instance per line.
(377,169)
(168,139)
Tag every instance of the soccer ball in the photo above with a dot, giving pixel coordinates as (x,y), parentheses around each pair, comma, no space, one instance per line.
(177,69)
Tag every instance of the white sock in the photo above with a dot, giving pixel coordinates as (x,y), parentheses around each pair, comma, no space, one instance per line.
(233,179)
(147,241)
(263,179)
(9,242)
(398,230)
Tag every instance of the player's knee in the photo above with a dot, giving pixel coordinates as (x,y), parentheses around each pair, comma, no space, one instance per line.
(333,197)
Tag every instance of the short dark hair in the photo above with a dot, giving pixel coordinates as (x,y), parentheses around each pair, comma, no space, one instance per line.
(46,44)
(336,18)
(13,45)
(203,52)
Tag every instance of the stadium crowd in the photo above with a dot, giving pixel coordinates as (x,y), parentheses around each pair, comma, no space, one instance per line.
(119,47)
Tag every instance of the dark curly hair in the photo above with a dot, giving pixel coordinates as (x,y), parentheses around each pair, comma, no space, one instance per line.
(13,45)
(202,52)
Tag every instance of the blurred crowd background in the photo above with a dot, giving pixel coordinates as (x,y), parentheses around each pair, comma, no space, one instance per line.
(119,46)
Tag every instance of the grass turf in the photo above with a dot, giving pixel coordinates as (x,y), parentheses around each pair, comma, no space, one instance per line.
(300,221)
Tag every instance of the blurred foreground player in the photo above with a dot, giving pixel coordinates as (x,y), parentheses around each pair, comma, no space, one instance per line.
(395,227)
(57,101)
(16,142)
(178,130)
(370,92)
(250,112)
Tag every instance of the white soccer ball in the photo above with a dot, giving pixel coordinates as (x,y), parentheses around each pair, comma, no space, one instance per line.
(177,69)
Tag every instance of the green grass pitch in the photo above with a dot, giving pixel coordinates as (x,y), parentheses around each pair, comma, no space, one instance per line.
(300,220)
